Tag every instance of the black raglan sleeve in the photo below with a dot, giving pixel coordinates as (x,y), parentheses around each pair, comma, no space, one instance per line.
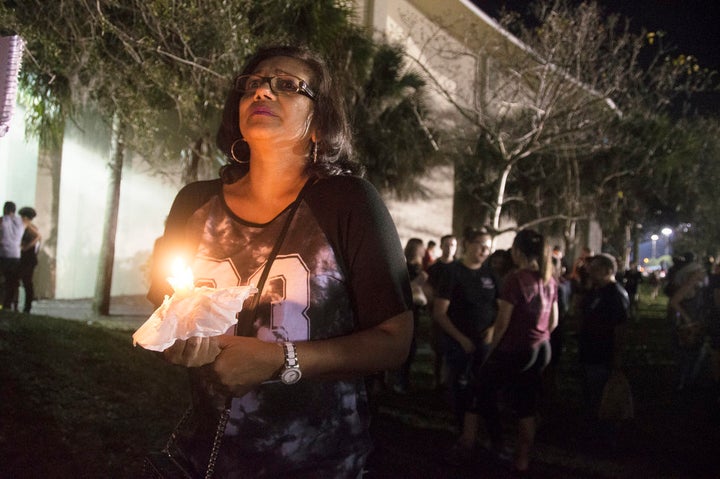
(174,241)
(363,235)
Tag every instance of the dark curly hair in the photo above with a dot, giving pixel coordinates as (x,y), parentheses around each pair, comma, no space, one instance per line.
(335,155)
(27,212)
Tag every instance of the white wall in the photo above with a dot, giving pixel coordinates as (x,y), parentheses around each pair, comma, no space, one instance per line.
(426,218)
(18,164)
(144,202)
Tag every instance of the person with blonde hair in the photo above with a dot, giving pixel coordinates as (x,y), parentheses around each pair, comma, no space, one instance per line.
(520,348)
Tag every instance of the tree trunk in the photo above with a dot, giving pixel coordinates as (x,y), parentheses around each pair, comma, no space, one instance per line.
(500,198)
(468,210)
(103,284)
(636,244)
(47,205)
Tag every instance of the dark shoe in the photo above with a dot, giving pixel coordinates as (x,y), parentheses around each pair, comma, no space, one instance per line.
(519,473)
(400,389)
(500,453)
(458,455)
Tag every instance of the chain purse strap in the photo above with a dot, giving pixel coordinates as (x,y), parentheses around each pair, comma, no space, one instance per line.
(247,323)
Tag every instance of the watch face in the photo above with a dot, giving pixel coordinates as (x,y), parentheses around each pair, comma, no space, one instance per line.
(290,376)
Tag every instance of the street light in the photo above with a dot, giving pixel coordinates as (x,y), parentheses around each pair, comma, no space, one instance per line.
(654,239)
(666,232)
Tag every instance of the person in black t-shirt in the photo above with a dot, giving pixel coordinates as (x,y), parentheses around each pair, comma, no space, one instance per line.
(465,307)
(631,282)
(604,312)
(448,248)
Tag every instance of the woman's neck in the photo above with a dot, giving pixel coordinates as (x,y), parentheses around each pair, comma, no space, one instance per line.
(276,170)
(270,185)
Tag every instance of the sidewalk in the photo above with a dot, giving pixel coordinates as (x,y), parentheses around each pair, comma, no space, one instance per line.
(126,312)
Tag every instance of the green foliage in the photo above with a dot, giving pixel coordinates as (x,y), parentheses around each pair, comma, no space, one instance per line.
(166,67)
(584,126)
(392,140)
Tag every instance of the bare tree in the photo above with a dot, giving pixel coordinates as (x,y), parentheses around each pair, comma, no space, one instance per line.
(542,111)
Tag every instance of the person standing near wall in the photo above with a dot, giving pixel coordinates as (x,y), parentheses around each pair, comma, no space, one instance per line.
(29,246)
(11,231)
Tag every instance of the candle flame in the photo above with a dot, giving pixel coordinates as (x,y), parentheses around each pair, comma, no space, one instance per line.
(182,279)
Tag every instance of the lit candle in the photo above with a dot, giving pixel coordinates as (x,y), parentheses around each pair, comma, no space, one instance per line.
(182,279)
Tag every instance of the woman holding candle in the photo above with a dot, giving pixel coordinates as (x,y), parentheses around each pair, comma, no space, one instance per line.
(327,315)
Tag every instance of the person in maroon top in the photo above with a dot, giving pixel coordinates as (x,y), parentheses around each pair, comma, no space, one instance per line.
(520,348)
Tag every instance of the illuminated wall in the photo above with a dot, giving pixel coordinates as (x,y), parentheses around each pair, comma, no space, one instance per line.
(18,164)
(145,199)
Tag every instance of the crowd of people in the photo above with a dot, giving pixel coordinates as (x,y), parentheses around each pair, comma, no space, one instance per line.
(19,246)
(498,321)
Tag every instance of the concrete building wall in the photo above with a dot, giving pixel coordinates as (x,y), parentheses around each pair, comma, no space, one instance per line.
(145,199)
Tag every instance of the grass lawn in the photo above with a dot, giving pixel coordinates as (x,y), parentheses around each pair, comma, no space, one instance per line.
(77,400)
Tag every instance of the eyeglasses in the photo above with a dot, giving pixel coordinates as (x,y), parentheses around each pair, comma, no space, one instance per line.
(279,84)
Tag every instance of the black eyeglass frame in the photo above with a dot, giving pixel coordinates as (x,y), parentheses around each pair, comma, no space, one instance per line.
(302,89)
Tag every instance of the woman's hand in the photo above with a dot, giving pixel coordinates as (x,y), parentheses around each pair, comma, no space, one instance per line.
(244,363)
(240,363)
(193,352)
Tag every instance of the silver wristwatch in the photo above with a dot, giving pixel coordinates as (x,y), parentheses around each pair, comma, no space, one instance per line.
(290,373)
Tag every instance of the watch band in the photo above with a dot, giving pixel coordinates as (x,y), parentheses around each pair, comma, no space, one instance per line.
(290,373)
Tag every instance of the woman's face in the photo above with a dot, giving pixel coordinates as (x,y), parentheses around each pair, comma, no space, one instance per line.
(285,118)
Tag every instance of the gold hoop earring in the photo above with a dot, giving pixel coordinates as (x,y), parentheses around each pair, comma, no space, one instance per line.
(232,153)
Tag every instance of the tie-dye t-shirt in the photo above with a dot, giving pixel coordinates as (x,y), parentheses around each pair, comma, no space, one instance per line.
(340,269)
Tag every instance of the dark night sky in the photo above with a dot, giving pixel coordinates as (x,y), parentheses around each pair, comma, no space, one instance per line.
(693,26)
